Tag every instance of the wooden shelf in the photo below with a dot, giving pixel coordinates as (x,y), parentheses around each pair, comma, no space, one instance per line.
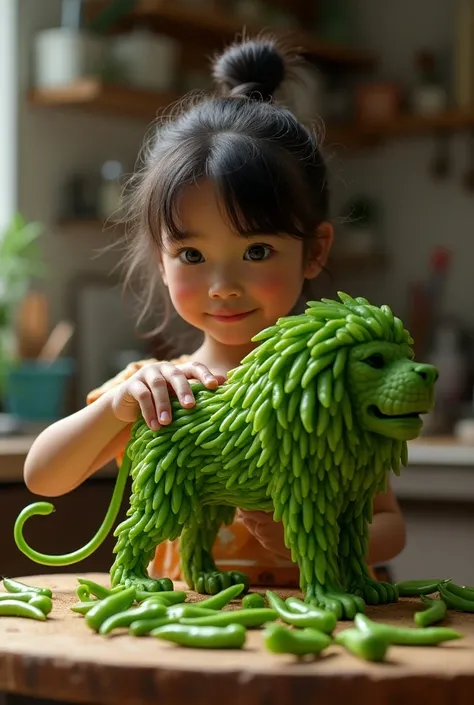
(96,96)
(216,26)
(360,135)
(124,101)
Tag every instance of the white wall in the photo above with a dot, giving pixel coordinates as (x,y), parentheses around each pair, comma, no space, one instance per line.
(420,213)
(51,143)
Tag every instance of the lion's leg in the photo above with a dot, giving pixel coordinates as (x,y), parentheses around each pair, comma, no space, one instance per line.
(197,565)
(149,524)
(353,549)
(313,538)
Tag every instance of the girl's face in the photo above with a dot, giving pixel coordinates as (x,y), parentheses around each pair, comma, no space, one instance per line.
(228,285)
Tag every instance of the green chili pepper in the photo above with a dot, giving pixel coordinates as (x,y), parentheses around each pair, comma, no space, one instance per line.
(11,585)
(253,617)
(43,603)
(366,645)
(153,601)
(124,619)
(296,605)
(253,601)
(406,636)
(222,598)
(464,592)
(83,593)
(230,637)
(415,588)
(185,611)
(16,608)
(118,602)
(100,591)
(171,597)
(315,618)
(435,612)
(143,627)
(455,602)
(282,640)
(84,607)
(22,596)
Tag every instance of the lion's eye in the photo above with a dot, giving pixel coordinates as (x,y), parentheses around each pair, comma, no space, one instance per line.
(376,360)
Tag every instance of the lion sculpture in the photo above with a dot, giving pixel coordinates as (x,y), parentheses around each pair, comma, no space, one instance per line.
(308,426)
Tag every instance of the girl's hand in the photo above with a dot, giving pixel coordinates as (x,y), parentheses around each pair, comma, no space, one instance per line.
(148,391)
(268,532)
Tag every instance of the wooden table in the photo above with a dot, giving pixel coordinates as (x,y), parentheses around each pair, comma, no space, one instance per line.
(63,660)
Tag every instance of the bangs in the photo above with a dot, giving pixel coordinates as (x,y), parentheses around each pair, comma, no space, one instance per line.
(261,188)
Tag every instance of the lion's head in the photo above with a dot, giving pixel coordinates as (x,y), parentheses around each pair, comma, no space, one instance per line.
(343,359)
(389,388)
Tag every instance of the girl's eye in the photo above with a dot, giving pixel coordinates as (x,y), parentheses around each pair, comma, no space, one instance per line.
(191,256)
(257,253)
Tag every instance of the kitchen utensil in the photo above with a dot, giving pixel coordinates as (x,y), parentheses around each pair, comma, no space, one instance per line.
(57,341)
(32,324)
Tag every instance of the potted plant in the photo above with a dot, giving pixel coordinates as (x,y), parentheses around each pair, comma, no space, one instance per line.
(20,262)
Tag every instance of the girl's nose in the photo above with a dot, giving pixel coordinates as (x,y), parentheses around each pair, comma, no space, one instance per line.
(225,286)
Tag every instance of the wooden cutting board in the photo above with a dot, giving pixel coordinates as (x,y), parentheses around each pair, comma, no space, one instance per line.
(63,660)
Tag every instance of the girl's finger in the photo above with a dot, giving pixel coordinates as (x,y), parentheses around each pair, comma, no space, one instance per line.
(204,375)
(178,381)
(139,391)
(156,381)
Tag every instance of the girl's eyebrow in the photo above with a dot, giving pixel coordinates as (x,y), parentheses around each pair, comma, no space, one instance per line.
(183,235)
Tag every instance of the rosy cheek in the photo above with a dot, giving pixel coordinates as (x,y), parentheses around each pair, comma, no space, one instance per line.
(184,285)
(184,290)
(271,284)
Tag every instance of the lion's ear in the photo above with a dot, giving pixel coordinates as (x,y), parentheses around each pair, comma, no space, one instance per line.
(319,250)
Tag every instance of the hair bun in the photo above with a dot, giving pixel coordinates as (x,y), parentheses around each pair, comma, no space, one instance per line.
(254,68)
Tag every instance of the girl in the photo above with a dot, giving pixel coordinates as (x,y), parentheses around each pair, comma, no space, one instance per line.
(231,211)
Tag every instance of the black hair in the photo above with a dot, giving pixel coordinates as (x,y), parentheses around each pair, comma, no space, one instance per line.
(267,166)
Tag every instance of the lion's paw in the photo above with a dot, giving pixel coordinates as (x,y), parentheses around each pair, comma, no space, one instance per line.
(145,584)
(375,592)
(212,582)
(344,605)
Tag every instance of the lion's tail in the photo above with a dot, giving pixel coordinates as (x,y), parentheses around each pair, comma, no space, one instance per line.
(45,508)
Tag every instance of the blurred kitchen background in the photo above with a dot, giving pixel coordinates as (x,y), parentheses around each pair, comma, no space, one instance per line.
(391,88)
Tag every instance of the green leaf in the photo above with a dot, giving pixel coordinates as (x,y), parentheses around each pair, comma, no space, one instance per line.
(20,260)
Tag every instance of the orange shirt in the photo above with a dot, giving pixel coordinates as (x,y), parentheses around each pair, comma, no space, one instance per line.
(235,548)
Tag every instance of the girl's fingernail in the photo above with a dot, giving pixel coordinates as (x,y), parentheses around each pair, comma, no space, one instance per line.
(188,399)
(165,417)
(154,425)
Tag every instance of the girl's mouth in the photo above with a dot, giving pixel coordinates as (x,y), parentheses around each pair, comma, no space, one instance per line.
(231,317)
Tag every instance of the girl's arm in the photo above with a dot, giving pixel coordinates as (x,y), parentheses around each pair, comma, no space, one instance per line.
(72,449)
(387,531)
